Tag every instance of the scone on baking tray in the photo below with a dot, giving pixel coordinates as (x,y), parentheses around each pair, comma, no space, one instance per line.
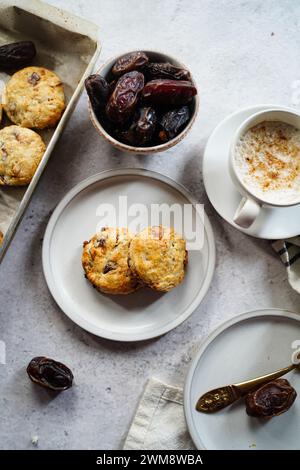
(105,261)
(21,151)
(158,256)
(34,97)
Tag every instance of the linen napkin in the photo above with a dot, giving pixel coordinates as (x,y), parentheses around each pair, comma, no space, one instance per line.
(159,423)
(289,252)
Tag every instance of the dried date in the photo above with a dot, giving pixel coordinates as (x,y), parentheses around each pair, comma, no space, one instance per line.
(34,78)
(98,91)
(142,128)
(154,70)
(16,55)
(129,62)
(49,373)
(272,399)
(122,102)
(110,266)
(172,123)
(168,92)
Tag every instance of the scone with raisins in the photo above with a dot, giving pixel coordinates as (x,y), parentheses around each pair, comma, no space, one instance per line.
(21,151)
(158,256)
(34,97)
(105,261)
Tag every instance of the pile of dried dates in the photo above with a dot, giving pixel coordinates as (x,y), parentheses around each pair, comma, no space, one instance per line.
(142,103)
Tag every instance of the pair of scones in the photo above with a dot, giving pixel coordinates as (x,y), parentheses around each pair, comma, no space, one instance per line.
(33,98)
(117,262)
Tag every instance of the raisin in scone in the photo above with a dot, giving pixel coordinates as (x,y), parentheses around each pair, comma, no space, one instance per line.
(157,256)
(34,97)
(105,261)
(21,151)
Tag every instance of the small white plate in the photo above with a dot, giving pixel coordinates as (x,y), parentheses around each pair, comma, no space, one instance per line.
(144,314)
(252,344)
(272,223)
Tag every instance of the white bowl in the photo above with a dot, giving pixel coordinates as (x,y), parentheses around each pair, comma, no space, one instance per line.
(194,105)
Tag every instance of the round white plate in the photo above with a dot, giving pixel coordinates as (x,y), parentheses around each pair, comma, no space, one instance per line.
(144,314)
(252,344)
(272,223)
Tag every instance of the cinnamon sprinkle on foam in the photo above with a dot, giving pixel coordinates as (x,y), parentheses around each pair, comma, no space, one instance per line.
(267,158)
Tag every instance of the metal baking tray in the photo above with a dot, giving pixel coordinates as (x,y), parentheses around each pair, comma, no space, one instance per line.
(69,46)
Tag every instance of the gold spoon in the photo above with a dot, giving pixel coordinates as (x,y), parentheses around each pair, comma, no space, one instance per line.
(219,398)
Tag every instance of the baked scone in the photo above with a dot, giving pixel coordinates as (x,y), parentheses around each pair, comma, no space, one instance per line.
(157,256)
(21,151)
(34,97)
(105,261)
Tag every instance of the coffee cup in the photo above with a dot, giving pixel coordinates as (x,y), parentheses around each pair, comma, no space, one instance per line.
(256,180)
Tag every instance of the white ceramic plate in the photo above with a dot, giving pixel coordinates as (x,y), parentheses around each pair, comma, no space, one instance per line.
(252,344)
(144,314)
(272,223)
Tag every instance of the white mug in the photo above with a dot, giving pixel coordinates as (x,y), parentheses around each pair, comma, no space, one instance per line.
(250,205)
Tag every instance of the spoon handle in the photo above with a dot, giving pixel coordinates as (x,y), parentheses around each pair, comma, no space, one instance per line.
(248,385)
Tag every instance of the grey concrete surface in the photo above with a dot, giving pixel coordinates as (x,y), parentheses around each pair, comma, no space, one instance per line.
(241,53)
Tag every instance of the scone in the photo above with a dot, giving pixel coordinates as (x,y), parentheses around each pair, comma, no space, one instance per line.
(21,151)
(34,97)
(105,261)
(157,256)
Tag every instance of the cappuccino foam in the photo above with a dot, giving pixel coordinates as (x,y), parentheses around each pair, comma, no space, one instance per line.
(267,160)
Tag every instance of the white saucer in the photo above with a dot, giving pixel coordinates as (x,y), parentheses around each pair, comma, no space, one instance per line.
(252,344)
(144,314)
(272,223)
